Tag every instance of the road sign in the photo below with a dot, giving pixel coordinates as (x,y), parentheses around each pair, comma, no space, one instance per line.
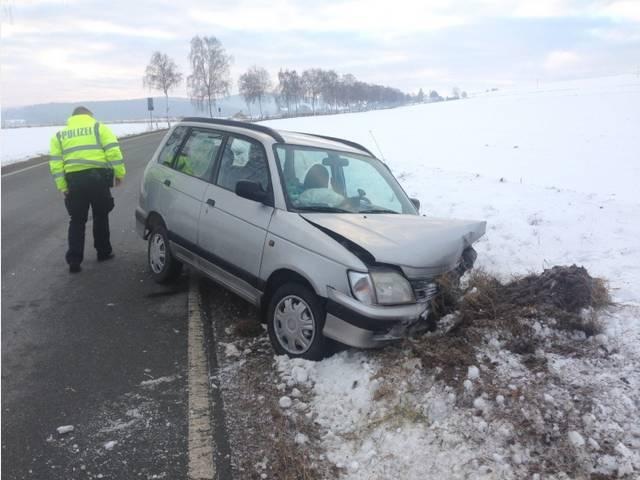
(150,104)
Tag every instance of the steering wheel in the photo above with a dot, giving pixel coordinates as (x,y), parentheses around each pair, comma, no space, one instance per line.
(357,202)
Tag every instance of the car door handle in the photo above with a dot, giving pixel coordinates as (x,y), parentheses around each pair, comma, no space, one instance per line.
(211,202)
(167,182)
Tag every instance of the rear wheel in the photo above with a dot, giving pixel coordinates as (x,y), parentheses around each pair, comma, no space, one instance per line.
(164,267)
(295,318)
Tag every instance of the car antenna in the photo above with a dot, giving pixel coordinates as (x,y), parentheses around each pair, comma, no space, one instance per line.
(378,146)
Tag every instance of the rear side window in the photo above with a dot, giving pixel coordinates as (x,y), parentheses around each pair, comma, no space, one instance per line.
(170,148)
(198,155)
(243,160)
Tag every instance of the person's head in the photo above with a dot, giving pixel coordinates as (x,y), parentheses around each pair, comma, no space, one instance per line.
(316,177)
(82,111)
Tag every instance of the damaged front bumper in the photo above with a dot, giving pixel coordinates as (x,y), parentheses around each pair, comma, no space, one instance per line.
(353,323)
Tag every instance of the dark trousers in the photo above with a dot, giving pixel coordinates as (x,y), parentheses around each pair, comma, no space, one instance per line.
(88,188)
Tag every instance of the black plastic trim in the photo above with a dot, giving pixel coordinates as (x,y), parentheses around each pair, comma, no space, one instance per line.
(251,279)
(355,145)
(234,123)
(358,320)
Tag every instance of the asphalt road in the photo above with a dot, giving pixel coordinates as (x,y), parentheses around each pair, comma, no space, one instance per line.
(104,350)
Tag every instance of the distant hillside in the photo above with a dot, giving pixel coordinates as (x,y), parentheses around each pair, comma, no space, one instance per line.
(123,110)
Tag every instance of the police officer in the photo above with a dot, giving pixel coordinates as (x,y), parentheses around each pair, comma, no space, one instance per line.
(85,163)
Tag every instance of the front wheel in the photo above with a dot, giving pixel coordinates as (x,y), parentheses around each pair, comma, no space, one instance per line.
(164,267)
(295,318)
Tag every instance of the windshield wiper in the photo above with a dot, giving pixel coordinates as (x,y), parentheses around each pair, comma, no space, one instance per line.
(321,208)
(378,210)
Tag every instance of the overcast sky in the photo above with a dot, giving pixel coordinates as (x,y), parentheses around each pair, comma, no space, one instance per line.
(75,50)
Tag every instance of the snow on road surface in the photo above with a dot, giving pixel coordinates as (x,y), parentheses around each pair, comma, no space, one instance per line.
(554,170)
(23,143)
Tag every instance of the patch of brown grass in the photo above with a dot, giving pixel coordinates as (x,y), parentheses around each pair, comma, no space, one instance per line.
(447,298)
(248,328)
(289,461)
(562,298)
(600,295)
(561,293)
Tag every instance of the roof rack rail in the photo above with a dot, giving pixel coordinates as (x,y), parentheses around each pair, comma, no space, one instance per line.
(234,123)
(355,145)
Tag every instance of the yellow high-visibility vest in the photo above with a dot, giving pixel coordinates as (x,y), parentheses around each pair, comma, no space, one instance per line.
(83,144)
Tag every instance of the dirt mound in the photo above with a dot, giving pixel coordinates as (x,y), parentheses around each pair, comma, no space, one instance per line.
(569,289)
(562,293)
(562,298)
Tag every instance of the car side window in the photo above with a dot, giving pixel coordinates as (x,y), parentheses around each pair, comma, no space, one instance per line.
(243,160)
(168,152)
(198,154)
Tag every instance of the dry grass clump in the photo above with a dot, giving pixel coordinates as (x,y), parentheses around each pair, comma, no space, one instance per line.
(561,293)
(447,298)
(248,328)
(290,461)
(561,298)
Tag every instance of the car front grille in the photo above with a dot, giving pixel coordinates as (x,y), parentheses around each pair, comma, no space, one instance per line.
(424,289)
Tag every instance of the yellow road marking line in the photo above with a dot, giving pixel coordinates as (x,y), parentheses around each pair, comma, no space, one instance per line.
(201,466)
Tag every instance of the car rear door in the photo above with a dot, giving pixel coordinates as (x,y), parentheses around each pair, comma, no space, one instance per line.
(233,229)
(192,170)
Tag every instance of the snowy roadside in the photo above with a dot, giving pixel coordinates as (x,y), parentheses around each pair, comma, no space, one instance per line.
(21,144)
(580,410)
(388,415)
(568,409)
(543,169)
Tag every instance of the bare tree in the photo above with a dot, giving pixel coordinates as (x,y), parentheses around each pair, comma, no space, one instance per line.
(329,88)
(346,90)
(162,74)
(210,77)
(297,88)
(312,84)
(254,85)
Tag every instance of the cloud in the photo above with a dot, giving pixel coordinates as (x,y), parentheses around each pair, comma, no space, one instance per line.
(59,48)
(85,67)
(81,25)
(542,8)
(562,60)
(362,16)
(101,27)
(624,10)
(617,35)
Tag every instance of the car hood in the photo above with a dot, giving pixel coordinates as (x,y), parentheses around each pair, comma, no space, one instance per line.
(421,246)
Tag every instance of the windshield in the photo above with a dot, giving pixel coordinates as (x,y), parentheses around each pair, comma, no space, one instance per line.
(316,179)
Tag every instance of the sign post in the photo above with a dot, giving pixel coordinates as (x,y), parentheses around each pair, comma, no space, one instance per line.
(150,108)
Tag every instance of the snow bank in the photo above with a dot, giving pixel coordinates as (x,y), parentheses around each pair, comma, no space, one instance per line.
(554,170)
(27,142)
(579,135)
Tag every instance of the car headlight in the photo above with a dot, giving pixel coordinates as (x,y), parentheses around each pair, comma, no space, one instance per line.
(362,287)
(385,287)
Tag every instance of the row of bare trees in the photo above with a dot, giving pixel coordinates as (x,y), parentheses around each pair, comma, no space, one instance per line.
(210,79)
(335,92)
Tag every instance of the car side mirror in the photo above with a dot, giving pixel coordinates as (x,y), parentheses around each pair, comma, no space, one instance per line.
(416,203)
(253,191)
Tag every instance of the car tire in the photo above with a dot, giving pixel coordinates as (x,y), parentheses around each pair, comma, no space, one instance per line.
(162,264)
(295,319)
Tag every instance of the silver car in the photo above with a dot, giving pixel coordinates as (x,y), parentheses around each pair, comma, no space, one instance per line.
(314,231)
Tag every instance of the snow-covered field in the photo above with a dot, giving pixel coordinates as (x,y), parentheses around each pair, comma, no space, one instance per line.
(18,144)
(554,170)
